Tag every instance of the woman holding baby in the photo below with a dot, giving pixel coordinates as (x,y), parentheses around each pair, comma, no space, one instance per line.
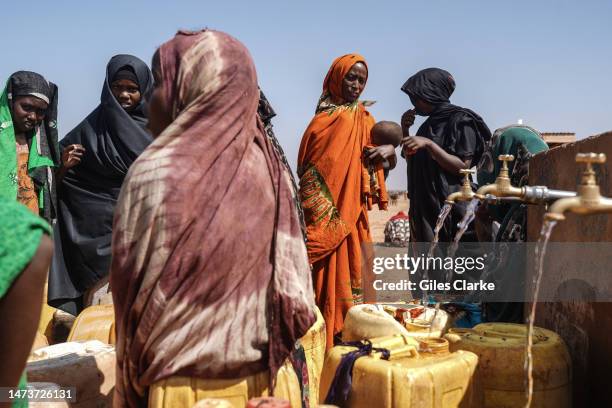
(335,186)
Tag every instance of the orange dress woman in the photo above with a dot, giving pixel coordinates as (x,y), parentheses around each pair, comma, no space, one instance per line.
(332,181)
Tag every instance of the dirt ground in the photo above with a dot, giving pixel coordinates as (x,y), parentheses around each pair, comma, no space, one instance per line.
(379,218)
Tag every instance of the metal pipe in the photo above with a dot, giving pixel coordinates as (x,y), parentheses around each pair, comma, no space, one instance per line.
(491,199)
(557,194)
(531,195)
(542,194)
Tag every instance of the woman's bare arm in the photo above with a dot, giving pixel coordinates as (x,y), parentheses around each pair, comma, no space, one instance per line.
(19,315)
(450,163)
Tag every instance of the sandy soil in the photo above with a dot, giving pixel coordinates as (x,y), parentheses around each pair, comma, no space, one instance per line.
(379,218)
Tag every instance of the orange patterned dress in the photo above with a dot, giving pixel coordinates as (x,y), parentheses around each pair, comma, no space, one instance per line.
(333,180)
(26,190)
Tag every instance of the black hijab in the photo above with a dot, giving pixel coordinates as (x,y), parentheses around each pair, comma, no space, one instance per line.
(433,85)
(460,132)
(265,110)
(266,113)
(28,83)
(113,138)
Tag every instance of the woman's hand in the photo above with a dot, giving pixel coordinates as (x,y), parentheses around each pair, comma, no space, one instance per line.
(381,153)
(407,121)
(71,155)
(410,144)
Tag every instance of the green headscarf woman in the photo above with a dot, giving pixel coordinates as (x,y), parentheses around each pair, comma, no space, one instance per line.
(507,140)
(522,142)
(29,151)
(25,254)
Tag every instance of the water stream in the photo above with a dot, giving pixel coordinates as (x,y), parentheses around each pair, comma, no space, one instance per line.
(444,212)
(470,214)
(540,255)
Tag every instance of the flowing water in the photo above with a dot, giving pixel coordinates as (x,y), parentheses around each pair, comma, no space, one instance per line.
(470,214)
(444,212)
(540,254)
(433,319)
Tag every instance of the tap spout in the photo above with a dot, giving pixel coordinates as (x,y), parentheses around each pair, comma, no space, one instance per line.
(465,193)
(453,197)
(486,190)
(578,205)
(588,199)
(557,210)
(502,186)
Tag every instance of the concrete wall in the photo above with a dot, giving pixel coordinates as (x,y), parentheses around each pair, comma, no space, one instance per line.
(585,327)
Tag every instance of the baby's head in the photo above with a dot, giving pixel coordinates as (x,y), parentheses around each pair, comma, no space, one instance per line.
(386,132)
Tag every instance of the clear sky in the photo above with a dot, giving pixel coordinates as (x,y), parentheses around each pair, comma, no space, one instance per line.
(547,62)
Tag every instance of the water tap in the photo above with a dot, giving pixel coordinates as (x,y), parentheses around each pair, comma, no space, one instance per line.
(503,190)
(588,199)
(465,193)
(502,186)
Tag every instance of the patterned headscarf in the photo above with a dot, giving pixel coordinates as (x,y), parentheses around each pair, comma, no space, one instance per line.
(205,227)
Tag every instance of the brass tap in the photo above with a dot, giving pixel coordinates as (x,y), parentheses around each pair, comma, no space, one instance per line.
(465,193)
(502,186)
(589,199)
(502,191)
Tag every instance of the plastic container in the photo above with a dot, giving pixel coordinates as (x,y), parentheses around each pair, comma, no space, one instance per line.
(185,391)
(313,343)
(377,320)
(213,403)
(431,377)
(268,402)
(500,378)
(40,340)
(87,366)
(94,323)
(429,323)
(45,324)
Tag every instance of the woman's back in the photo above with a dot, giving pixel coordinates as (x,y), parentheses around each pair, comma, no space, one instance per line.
(197,293)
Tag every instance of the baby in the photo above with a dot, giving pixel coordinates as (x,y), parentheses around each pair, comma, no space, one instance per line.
(375,191)
(386,132)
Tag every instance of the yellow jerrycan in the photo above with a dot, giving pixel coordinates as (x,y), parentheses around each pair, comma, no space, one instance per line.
(500,378)
(185,391)
(419,373)
(94,323)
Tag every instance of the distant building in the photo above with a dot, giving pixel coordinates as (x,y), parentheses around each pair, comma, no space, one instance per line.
(554,139)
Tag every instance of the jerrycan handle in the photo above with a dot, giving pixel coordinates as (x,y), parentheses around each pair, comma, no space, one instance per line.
(399,346)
